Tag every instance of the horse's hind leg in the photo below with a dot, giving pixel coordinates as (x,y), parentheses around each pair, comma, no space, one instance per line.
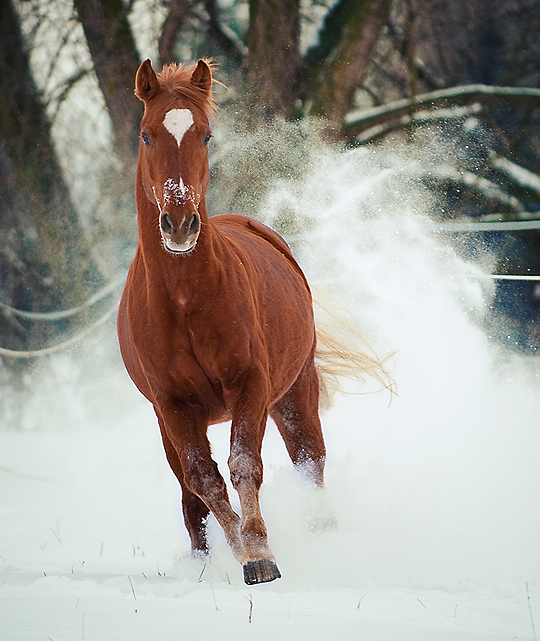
(296,415)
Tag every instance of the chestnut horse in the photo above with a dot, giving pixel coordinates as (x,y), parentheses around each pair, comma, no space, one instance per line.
(215,323)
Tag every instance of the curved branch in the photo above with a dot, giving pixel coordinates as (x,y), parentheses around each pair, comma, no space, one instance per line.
(359,120)
(420,118)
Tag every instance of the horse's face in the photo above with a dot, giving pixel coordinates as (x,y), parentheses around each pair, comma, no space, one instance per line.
(173,157)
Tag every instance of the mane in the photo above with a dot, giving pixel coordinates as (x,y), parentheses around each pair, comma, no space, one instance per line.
(176,78)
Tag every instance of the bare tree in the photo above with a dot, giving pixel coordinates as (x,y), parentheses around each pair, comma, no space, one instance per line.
(45,261)
(115,57)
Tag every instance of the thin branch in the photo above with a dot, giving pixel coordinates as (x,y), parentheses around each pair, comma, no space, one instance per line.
(420,118)
(67,86)
(527,180)
(485,188)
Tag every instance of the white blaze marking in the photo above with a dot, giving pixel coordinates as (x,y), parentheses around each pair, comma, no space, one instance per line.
(177,122)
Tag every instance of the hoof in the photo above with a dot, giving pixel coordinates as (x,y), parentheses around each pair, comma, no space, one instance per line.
(260,571)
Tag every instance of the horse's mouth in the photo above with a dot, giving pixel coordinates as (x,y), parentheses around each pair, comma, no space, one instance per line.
(175,248)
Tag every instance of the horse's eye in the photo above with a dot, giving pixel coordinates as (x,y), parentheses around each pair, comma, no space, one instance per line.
(207,137)
(145,138)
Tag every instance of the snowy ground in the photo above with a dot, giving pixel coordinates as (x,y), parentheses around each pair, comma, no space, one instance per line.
(435,495)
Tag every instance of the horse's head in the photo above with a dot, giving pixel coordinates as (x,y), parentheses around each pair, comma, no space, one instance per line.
(173,154)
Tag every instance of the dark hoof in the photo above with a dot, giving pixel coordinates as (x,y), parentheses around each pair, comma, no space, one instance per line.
(260,571)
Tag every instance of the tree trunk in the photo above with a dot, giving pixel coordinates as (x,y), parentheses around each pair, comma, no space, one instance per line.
(273,62)
(339,63)
(178,11)
(116,60)
(45,262)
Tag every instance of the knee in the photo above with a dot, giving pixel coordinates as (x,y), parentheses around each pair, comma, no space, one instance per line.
(201,475)
(245,467)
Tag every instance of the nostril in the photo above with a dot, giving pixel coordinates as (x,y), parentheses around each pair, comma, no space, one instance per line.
(166,224)
(194,224)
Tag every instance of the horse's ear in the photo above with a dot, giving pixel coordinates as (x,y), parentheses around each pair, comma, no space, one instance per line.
(202,77)
(146,83)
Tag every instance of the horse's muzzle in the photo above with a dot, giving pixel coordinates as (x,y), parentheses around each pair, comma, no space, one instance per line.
(182,237)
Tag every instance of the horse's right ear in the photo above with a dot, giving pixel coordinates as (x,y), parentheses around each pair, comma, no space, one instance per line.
(146,83)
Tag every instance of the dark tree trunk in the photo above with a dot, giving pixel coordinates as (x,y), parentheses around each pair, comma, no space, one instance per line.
(45,262)
(340,61)
(273,62)
(116,60)
(178,12)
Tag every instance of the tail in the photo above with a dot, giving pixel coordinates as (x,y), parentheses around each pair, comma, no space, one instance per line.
(343,352)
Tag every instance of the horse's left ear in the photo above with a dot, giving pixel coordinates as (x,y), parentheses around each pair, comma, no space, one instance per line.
(146,82)
(202,77)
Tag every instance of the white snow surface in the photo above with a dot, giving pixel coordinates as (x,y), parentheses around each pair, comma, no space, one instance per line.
(435,494)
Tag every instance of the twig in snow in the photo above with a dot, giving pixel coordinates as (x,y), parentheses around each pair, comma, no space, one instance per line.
(420,602)
(213,594)
(57,532)
(132,588)
(202,572)
(530,610)
(250,599)
(359,602)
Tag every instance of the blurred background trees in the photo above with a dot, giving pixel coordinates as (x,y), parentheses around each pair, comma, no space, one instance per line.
(371,70)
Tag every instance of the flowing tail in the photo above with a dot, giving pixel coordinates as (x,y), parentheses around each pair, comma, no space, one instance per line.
(343,352)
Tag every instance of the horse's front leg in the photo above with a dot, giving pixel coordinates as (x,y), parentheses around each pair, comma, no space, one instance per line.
(246,467)
(195,511)
(186,433)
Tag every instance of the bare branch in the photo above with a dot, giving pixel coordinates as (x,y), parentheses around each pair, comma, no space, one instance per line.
(357,121)
(485,188)
(419,118)
(522,177)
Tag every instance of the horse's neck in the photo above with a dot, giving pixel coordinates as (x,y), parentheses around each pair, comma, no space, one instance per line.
(169,270)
